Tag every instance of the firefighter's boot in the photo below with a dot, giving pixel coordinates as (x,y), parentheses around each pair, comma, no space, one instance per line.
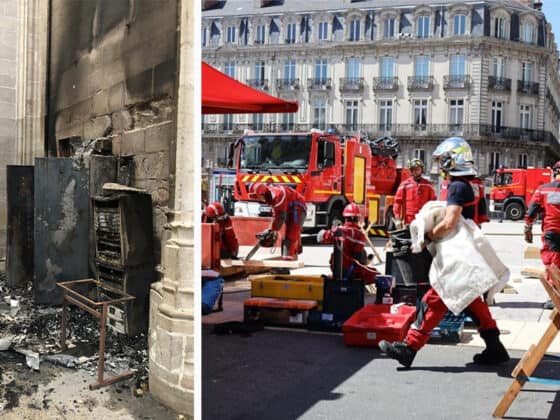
(495,352)
(399,351)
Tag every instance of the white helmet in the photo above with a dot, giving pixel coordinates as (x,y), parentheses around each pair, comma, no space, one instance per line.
(455,157)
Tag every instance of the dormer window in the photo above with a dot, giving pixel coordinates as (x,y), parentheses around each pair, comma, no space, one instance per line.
(231,34)
(423,27)
(527,32)
(500,27)
(389,28)
(323,31)
(291,33)
(459,24)
(354,30)
(260,34)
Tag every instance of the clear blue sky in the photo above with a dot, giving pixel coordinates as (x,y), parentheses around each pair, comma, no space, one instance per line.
(551,9)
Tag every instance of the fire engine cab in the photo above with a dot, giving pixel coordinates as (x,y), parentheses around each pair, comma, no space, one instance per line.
(329,170)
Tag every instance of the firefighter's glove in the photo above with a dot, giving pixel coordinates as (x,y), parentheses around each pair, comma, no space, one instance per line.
(398,224)
(267,237)
(321,236)
(337,233)
(528,230)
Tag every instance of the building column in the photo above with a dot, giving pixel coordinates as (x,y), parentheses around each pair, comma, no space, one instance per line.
(31,79)
(171,332)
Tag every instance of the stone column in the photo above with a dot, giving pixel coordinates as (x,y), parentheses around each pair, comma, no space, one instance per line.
(31,79)
(171,333)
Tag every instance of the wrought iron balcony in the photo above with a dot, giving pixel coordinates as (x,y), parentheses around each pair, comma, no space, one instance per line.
(420,82)
(456,81)
(322,83)
(351,84)
(385,83)
(530,88)
(499,83)
(261,84)
(287,84)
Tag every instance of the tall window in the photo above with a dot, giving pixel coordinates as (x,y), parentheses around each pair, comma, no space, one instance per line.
(456,112)
(385,115)
(229,69)
(420,154)
(288,121)
(500,27)
(353,68)
(351,108)
(231,34)
(320,115)
(291,33)
(259,71)
(522,161)
(497,110)
(355,30)
(323,33)
(258,122)
(423,27)
(422,66)
(290,70)
(389,28)
(457,64)
(420,114)
(228,122)
(321,70)
(203,36)
(494,161)
(525,116)
(260,34)
(527,72)
(527,32)
(499,68)
(387,69)
(459,25)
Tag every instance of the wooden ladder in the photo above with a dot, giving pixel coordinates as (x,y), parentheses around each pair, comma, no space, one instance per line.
(532,357)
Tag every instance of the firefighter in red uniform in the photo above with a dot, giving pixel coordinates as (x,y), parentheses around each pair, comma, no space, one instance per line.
(288,207)
(353,238)
(455,159)
(412,194)
(546,198)
(229,246)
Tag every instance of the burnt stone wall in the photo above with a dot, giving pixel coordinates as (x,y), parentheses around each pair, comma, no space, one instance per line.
(113,73)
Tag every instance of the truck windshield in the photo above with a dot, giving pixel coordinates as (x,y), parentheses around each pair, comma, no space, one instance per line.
(275,152)
(502,178)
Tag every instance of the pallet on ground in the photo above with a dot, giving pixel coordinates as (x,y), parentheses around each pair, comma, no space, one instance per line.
(287,286)
(374,323)
(278,312)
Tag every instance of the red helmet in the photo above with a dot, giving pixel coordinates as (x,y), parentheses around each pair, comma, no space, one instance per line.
(214,210)
(257,191)
(351,210)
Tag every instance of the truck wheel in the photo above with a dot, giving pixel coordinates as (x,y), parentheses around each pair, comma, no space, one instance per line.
(335,217)
(514,211)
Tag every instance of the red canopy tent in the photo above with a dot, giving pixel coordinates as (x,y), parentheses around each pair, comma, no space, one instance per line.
(223,95)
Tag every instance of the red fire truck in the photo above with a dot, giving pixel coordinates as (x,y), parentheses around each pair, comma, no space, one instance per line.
(327,169)
(513,189)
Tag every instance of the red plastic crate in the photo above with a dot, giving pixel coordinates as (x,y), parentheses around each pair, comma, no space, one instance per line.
(373,323)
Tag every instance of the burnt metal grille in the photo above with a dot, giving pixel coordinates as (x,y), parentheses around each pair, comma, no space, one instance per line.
(108,233)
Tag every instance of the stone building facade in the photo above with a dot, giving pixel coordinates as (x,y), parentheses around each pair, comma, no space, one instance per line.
(484,70)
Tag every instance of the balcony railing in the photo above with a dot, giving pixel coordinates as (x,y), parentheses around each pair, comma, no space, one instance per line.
(530,88)
(351,84)
(456,82)
(287,84)
(499,83)
(261,84)
(385,83)
(420,82)
(319,83)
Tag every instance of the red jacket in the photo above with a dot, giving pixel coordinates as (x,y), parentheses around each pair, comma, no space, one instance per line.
(354,242)
(229,246)
(546,198)
(479,203)
(288,206)
(411,195)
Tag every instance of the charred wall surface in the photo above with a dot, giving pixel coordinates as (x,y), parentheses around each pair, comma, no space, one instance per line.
(113,73)
(8,60)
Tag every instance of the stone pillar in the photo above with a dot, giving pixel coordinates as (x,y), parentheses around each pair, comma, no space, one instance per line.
(31,79)
(171,333)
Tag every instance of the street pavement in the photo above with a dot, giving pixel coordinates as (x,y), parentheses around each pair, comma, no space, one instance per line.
(288,374)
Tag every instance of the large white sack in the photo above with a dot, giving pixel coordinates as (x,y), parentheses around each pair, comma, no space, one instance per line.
(465,266)
(429,215)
